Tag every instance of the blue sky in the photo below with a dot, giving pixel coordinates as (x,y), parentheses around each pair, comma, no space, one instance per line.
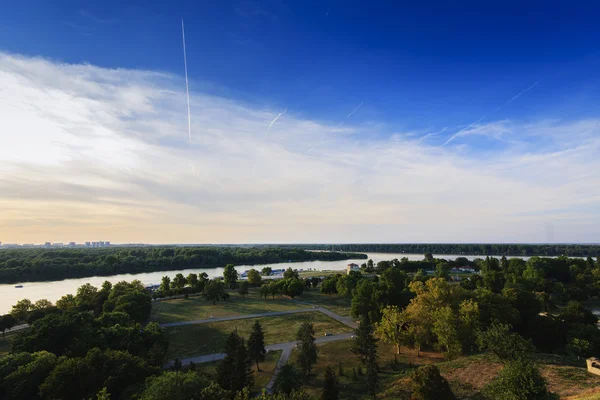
(509,90)
(425,65)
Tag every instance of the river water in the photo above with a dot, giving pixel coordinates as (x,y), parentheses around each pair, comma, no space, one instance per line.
(54,290)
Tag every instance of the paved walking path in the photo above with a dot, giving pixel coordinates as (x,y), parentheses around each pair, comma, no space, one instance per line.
(285,347)
(279,346)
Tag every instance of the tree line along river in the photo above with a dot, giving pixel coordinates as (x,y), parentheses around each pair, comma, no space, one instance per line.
(54,290)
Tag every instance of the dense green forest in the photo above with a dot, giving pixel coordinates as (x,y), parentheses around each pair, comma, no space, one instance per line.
(549,250)
(29,265)
(95,342)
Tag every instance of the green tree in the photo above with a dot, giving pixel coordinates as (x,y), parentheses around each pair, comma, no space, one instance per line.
(256,344)
(392,326)
(264,290)
(274,288)
(329,286)
(243,288)
(103,394)
(331,391)
(428,257)
(165,284)
(392,283)
(266,271)
(504,344)
(215,291)
(234,372)
(254,277)
(86,297)
(364,300)
(365,346)
(6,322)
(446,331)
(288,380)
(179,281)
(192,279)
(291,273)
(230,276)
(293,287)
(175,386)
(518,380)
(21,309)
(26,375)
(66,303)
(307,347)
(442,270)
(427,384)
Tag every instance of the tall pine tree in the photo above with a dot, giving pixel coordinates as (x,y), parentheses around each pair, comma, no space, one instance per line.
(256,344)
(307,347)
(365,346)
(331,390)
(234,372)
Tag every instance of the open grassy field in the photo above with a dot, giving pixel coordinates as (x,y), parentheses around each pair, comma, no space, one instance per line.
(566,376)
(208,338)
(338,304)
(261,378)
(196,308)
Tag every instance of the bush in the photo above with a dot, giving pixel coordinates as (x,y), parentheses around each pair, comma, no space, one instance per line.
(428,384)
(518,380)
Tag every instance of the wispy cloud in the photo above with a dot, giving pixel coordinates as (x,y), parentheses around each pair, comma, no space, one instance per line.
(356,109)
(467,130)
(95,18)
(91,152)
(277,117)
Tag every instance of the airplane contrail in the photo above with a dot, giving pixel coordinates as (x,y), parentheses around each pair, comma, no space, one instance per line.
(355,110)
(457,134)
(276,118)
(187,88)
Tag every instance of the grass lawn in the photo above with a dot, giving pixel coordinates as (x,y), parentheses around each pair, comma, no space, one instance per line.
(195,308)
(339,353)
(208,338)
(261,378)
(338,304)
(566,376)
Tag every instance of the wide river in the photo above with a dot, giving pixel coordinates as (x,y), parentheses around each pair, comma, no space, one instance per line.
(54,290)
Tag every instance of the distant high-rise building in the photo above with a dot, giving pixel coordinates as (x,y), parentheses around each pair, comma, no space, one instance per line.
(57,244)
(47,244)
(72,244)
(107,244)
(88,244)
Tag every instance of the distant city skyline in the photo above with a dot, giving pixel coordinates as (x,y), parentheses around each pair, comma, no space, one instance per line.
(344,123)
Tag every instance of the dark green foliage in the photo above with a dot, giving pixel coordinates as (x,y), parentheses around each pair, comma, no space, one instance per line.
(256,344)
(307,349)
(243,288)
(266,271)
(428,384)
(22,373)
(547,250)
(575,313)
(329,285)
(504,344)
(230,276)
(120,372)
(291,273)
(30,265)
(293,287)
(365,346)
(518,380)
(175,386)
(215,291)
(331,390)
(234,372)
(6,322)
(288,380)
(365,300)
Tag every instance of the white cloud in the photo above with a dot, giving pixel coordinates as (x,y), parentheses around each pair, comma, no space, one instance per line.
(89,153)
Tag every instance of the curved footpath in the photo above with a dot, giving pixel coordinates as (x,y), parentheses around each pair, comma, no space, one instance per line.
(285,347)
